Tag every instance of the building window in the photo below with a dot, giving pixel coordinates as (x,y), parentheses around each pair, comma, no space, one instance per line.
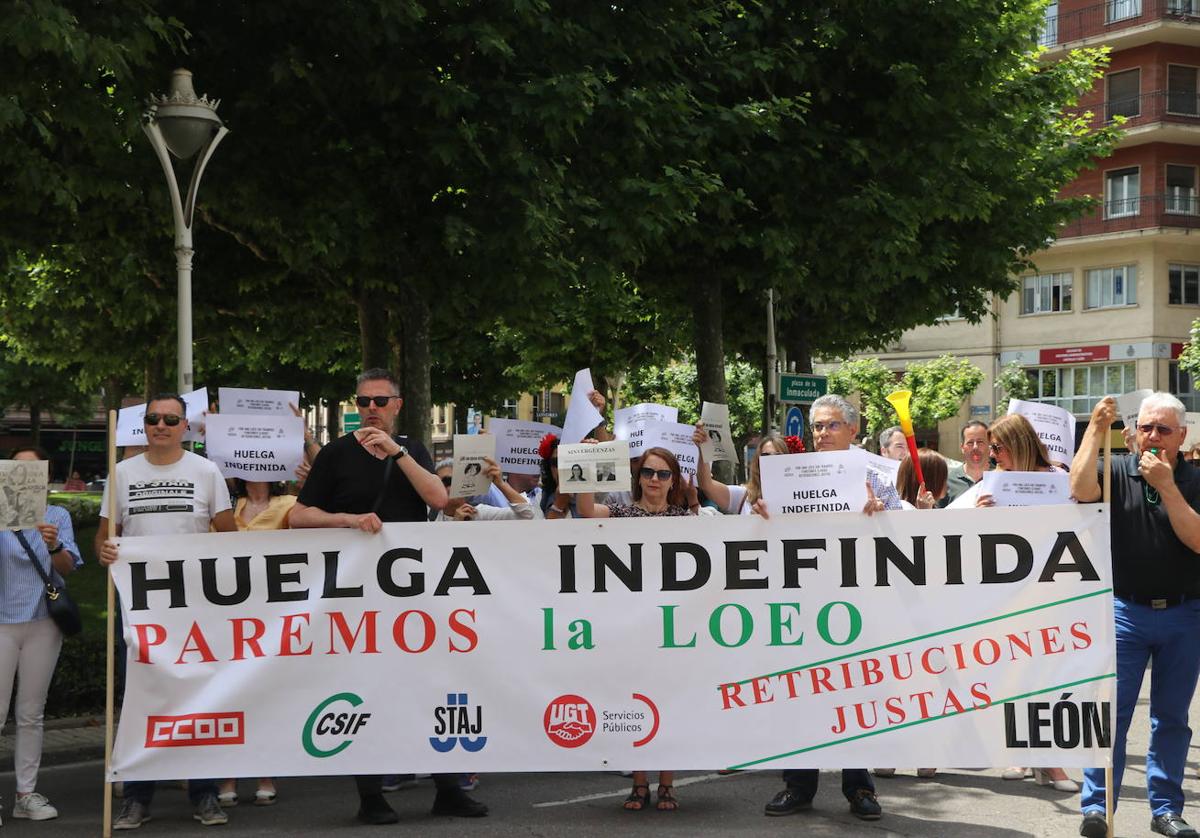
(1181,386)
(1181,189)
(1185,285)
(1077,389)
(509,411)
(1115,10)
(1048,37)
(1111,287)
(1181,90)
(1122,188)
(1124,94)
(548,405)
(1046,293)
(1181,7)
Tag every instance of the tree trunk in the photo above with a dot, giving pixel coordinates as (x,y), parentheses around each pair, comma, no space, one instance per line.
(35,423)
(799,351)
(154,380)
(418,359)
(709,343)
(333,419)
(373,332)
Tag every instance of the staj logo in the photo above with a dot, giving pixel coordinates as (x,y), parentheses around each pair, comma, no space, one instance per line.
(196,729)
(453,721)
(326,724)
(570,721)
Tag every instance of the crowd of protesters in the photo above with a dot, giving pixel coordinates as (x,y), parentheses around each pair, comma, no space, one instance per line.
(372,476)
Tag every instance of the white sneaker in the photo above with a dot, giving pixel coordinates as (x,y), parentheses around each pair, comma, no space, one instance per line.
(34,807)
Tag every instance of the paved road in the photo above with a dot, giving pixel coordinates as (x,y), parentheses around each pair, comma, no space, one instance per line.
(956,804)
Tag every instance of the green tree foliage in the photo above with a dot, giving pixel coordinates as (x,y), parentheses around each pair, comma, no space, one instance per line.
(939,387)
(1014,383)
(871,381)
(675,384)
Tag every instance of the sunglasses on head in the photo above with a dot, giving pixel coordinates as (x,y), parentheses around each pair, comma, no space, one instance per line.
(380,401)
(1163,430)
(661,474)
(169,419)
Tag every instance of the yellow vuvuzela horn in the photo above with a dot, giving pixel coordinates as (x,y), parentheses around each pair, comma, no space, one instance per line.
(901,401)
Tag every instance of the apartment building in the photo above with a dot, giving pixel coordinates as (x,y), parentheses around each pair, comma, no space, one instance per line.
(1112,300)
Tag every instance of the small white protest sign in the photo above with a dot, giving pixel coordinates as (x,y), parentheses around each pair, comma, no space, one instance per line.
(601,467)
(715,419)
(673,436)
(517,444)
(1026,488)
(256,447)
(829,481)
(23,485)
(582,416)
(243,401)
(469,477)
(1054,425)
(628,419)
(886,466)
(1129,404)
(1193,431)
(132,431)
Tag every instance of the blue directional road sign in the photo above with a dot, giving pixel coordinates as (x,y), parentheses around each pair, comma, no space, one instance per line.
(794,424)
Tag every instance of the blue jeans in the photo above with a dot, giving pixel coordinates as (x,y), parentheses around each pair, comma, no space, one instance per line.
(143,790)
(803,781)
(1170,637)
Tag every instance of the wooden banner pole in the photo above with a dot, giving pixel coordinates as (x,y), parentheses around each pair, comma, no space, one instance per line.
(110,487)
(1109,791)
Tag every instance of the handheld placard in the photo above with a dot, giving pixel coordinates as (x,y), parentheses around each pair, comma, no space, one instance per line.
(899,401)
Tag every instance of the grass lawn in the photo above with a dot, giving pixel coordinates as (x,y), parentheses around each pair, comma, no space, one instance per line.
(87,585)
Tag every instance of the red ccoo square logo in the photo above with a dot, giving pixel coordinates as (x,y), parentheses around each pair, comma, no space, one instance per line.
(196,729)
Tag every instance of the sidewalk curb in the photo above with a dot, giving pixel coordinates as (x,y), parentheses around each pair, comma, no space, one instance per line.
(60,754)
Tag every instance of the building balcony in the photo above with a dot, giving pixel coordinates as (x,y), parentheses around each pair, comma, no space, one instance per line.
(1122,23)
(1179,209)
(1159,116)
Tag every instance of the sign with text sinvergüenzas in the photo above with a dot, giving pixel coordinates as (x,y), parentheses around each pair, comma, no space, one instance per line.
(976,637)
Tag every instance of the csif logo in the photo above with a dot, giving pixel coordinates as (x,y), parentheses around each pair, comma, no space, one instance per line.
(455,724)
(328,720)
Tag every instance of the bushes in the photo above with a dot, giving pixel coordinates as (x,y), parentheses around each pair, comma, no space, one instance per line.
(78,685)
(84,507)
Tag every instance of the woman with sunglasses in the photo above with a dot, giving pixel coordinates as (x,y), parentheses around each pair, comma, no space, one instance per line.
(736,500)
(658,491)
(29,640)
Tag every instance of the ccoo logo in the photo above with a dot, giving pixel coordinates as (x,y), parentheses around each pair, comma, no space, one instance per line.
(570,721)
(324,723)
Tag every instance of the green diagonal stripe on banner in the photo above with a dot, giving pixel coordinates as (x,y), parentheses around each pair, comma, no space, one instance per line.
(921,637)
(1002,701)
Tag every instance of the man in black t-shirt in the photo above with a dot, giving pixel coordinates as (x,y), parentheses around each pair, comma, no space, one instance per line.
(1155,536)
(361,481)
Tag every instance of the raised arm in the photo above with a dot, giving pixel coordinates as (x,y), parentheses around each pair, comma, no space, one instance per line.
(1085,483)
(713,489)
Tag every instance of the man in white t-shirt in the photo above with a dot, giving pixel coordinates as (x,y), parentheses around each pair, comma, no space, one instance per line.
(165,491)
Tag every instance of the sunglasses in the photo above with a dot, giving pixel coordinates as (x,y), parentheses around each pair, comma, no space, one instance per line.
(380,401)
(661,474)
(1163,430)
(170,419)
(446,481)
(995,447)
(832,427)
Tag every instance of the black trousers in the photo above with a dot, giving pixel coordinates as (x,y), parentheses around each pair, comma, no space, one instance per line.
(369,784)
(803,781)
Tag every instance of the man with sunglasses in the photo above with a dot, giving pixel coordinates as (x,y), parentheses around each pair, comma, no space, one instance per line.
(1155,537)
(361,481)
(165,491)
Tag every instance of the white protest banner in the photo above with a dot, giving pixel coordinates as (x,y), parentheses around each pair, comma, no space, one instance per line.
(829,481)
(259,447)
(1027,488)
(715,419)
(600,467)
(243,401)
(1193,431)
(886,466)
(1054,425)
(582,416)
(517,444)
(806,642)
(23,485)
(627,420)
(1129,404)
(676,437)
(469,477)
(132,431)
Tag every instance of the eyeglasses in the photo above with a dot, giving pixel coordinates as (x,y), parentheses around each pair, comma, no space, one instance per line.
(446,482)
(380,401)
(974,443)
(661,474)
(995,447)
(832,427)
(170,419)
(1163,430)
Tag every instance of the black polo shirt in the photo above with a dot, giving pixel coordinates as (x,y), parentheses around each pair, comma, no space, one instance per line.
(345,477)
(1148,558)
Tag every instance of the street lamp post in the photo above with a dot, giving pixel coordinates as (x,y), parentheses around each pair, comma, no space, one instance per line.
(183,124)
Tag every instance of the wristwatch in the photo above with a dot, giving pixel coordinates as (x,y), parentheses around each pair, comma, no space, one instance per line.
(57,549)
(401,454)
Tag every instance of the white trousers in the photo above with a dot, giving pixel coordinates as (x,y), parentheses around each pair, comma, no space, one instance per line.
(32,650)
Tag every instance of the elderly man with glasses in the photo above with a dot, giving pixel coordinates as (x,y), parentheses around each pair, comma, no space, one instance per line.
(165,491)
(1155,536)
(361,481)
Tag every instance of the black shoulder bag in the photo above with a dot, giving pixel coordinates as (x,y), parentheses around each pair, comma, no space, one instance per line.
(62,608)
